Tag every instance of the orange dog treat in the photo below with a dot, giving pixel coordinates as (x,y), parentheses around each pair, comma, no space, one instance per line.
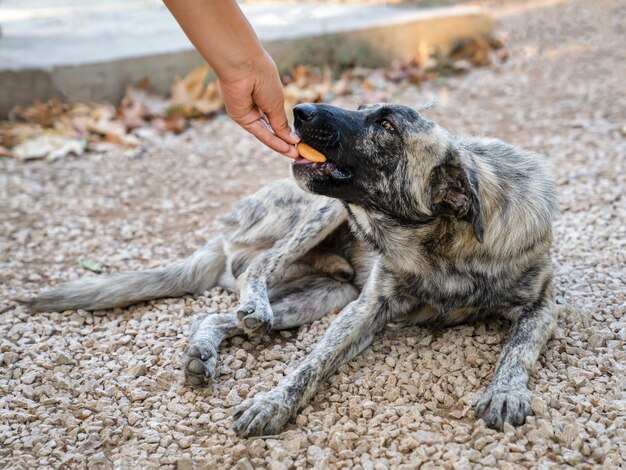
(309,153)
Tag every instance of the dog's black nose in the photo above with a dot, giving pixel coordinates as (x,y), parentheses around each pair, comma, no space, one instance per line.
(306,112)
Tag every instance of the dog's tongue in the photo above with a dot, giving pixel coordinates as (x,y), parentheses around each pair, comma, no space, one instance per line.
(309,153)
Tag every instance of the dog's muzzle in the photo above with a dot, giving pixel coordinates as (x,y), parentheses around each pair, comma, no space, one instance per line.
(314,127)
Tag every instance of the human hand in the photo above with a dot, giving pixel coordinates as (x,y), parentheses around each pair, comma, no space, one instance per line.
(248,77)
(253,96)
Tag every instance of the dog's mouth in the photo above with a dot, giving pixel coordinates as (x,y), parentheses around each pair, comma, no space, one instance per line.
(321,169)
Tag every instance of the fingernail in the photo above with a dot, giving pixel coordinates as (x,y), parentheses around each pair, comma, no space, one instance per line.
(295,136)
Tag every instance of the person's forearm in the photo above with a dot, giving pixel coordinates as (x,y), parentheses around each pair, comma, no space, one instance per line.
(220,32)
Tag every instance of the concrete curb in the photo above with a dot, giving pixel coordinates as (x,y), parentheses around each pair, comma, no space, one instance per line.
(371,45)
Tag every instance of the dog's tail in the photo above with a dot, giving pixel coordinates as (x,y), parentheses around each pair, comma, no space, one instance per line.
(192,275)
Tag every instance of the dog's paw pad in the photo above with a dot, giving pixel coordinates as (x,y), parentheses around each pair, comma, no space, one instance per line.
(255,318)
(252,323)
(263,415)
(255,326)
(199,364)
(498,406)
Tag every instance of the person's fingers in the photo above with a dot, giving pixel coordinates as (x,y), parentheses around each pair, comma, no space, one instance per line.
(248,116)
(262,132)
(278,122)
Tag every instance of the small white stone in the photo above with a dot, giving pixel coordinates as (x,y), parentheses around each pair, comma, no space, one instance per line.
(138,395)
(64,359)
(315,456)
(185,442)
(244,464)
(178,409)
(233,398)
(10,358)
(133,418)
(29,377)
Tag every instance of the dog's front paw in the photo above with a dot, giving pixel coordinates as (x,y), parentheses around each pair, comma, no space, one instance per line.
(262,415)
(255,314)
(500,405)
(200,357)
(199,364)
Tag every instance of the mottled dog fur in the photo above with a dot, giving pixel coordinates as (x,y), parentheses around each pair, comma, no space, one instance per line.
(403,223)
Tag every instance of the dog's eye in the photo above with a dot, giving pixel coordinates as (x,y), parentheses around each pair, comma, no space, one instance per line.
(386,125)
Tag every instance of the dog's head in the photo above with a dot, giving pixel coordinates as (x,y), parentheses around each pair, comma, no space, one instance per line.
(387,158)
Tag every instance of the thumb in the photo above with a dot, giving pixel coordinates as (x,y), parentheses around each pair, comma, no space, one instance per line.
(278,121)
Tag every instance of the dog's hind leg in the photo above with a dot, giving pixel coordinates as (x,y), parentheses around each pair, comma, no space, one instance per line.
(309,299)
(192,275)
(507,399)
(294,303)
(255,312)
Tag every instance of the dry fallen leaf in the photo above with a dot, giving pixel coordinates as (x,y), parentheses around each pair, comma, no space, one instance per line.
(140,105)
(113,131)
(44,114)
(175,123)
(14,133)
(306,85)
(474,50)
(192,96)
(132,113)
(49,147)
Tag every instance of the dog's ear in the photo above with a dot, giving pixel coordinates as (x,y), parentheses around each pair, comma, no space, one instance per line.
(455,192)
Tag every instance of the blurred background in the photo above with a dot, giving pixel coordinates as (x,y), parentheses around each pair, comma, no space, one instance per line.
(75,73)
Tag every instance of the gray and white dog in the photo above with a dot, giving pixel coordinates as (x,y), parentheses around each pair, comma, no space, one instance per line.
(403,222)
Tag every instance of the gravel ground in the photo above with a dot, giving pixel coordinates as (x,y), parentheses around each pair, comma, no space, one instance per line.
(99,389)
